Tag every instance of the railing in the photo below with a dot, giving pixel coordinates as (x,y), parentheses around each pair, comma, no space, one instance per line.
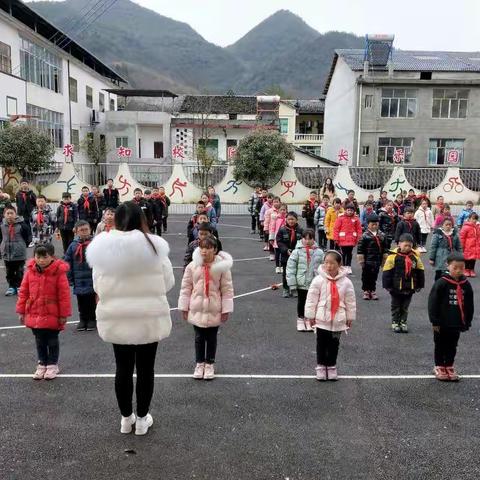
(309,137)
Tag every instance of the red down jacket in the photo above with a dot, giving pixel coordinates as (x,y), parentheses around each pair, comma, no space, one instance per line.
(44,297)
(470,238)
(347,230)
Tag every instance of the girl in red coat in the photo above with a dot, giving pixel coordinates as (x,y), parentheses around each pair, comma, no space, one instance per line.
(347,232)
(470,238)
(44,305)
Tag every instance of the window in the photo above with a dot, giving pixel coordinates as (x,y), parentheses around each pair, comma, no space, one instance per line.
(368,101)
(40,66)
(121,142)
(399,102)
(72,87)
(425,75)
(75,140)
(48,121)
(284,126)
(449,103)
(101,102)
(365,150)
(445,151)
(395,150)
(5,58)
(112,104)
(11,106)
(89,96)
(211,147)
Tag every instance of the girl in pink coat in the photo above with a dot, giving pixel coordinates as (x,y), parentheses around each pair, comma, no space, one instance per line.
(271,212)
(206,300)
(347,231)
(331,308)
(276,223)
(470,238)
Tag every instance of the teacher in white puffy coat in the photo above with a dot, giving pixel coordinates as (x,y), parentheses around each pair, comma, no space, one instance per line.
(132,275)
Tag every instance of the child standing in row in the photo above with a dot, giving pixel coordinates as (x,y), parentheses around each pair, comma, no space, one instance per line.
(266,205)
(330,218)
(445,241)
(465,213)
(277,221)
(319,222)
(424,217)
(16,235)
(42,222)
(301,269)
(67,217)
(108,221)
(203,231)
(408,225)
(271,212)
(330,308)
(309,208)
(450,309)
(403,275)
(165,200)
(206,301)
(80,277)
(446,213)
(387,222)
(44,306)
(470,238)
(371,254)
(347,233)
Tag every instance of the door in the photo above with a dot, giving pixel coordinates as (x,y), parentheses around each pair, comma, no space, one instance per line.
(157,149)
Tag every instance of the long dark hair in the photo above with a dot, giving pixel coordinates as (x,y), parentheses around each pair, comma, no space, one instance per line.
(330,187)
(129,216)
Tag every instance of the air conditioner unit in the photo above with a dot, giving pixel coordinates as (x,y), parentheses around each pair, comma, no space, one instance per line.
(95,117)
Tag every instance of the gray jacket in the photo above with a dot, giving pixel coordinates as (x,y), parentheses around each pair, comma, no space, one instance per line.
(14,245)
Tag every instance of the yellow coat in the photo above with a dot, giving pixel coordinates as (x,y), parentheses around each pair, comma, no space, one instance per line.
(330,219)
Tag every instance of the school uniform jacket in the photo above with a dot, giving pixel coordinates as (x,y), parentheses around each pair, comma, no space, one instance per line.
(111,197)
(408,226)
(372,249)
(398,278)
(442,246)
(67,216)
(287,238)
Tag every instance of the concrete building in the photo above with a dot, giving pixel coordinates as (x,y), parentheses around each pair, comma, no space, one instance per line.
(49,80)
(422,108)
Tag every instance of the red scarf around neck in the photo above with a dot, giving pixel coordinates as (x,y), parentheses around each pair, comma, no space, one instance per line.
(335,298)
(65,214)
(408,263)
(86,203)
(40,217)
(11,231)
(459,292)
(80,250)
(206,279)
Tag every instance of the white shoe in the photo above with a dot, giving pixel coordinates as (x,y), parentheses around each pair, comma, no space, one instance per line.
(301,325)
(127,423)
(32,244)
(143,424)
(308,327)
(278,270)
(199,371)
(209,372)
(272,258)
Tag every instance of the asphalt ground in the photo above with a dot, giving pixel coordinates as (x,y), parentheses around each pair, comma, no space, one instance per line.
(387,418)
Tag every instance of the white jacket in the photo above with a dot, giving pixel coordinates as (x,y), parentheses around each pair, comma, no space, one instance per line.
(131,282)
(424,219)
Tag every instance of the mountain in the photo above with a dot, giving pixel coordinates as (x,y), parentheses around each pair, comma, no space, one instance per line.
(154,51)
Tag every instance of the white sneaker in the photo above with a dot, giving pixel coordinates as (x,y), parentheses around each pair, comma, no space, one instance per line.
(143,424)
(278,269)
(127,423)
(308,327)
(199,371)
(301,325)
(321,373)
(209,372)
(32,244)
(349,270)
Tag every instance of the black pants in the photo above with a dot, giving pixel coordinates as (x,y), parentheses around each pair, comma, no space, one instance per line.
(469,264)
(310,223)
(322,239)
(301,300)
(369,277)
(93,225)
(157,228)
(260,228)
(423,240)
(126,358)
(284,260)
(67,238)
(205,344)
(446,341)
(14,272)
(399,308)
(164,223)
(87,304)
(332,245)
(254,222)
(278,262)
(327,347)
(347,256)
(388,242)
(48,346)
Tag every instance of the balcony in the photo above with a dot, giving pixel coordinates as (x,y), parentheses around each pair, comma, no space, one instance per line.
(309,138)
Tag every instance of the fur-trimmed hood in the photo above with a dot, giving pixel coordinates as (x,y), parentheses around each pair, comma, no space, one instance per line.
(223,261)
(125,252)
(342,272)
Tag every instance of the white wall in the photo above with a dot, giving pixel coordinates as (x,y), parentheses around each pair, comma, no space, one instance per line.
(340,113)
(11,87)
(148,136)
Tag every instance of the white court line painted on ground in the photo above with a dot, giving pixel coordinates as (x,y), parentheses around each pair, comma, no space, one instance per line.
(246,376)
(16,327)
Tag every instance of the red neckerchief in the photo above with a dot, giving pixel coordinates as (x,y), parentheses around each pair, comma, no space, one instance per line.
(24,195)
(377,240)
(163,199)
(335,298)
(40,218)
(450,241)
(264,199)
(80,250)
(459,295)
(408,264)
(206,278)
(109,190)
(65,214)
(410,223)
(86,203)
(293,235)
(312,205)
(108,227)
(307,249)
(137,201)
(11,231)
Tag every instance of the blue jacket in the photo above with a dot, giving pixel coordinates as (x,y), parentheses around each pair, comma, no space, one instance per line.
(464,214)
(80,273)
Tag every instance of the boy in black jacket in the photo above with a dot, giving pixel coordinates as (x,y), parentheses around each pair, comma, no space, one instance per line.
(205,229)
(145,205)
(371,253)
(111,195)
(450,309)
(387,222)
(287,238)
(309,208)
(403,275)
(408,225)
(26,201)
(67,217)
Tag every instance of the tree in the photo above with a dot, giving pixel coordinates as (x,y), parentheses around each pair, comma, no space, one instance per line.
(25,148)
(262,157)
(96,150)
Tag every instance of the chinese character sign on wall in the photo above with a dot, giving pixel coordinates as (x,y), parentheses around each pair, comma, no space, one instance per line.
(178,152)
(453,157)
(399,155)
(68,150)
(124,152)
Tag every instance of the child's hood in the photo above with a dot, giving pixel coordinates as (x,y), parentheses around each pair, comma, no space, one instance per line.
(223,261)
(119,252)
(301,246)
(16,221)
(342,272)
(56,267)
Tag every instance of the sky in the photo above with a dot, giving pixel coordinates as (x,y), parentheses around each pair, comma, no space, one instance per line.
(417,24)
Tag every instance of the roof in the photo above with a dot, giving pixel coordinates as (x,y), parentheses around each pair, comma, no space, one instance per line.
(24,14)
(308,106)
(316,157)
(412,60)
(127,92)
(219,104)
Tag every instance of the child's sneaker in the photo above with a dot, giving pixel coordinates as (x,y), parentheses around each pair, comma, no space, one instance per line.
(472,273)
(293,292)
(51,372)
(321,373)
(209,373)
(366,295)
(199,371)
(373,296)
(404,327)
(10,292)
(127,423)
(332,373)
(440,373)
(272,257)
(301,325)
(286,293)
(278,269)
(81,327)
(308,326)
(39,372)
(266,249)
(143,424)
(396,328)
(452,374)
(91,326)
